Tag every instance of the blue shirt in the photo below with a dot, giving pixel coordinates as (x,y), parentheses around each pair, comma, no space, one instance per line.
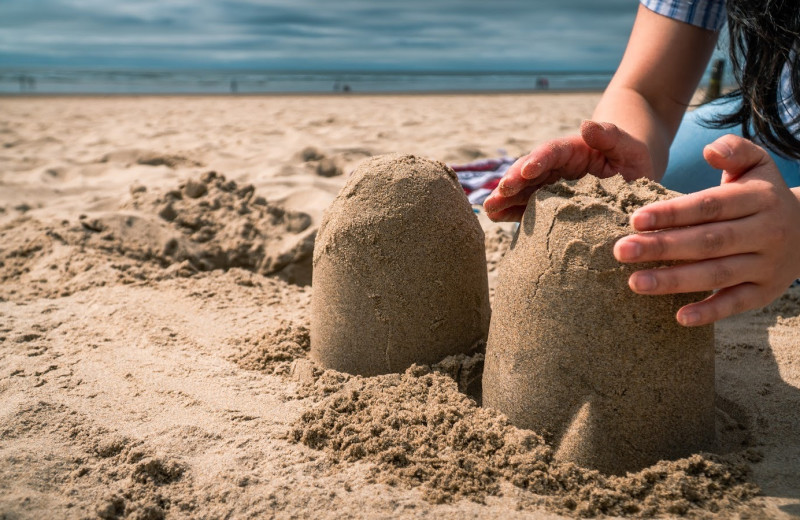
(711,15)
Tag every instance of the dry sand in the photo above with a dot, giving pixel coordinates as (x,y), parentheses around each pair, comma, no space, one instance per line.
(399,270)
(608,375)
(135,383)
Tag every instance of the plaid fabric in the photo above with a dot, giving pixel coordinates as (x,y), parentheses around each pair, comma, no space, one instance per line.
(707,14)
(479,178)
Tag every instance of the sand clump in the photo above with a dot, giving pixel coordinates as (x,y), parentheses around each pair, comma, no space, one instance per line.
(419,430)
(399,270)
(221,225)
(608,375)
(203,224)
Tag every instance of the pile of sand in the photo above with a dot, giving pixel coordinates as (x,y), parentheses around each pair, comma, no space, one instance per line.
(399,270)
(609,376)
(420,431)
(204,224)
(220,225)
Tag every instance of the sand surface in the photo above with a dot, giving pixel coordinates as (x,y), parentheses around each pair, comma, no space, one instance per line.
(154,328)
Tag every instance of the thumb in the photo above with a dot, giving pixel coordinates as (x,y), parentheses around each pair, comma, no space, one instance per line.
(735,156)
(603,137)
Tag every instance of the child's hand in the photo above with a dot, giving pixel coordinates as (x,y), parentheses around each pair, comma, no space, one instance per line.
(602,149)
(741,238)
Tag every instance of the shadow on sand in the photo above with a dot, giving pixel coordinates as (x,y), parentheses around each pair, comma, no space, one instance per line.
(758,395)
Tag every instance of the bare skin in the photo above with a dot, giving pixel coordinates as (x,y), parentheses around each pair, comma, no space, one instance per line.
(739,238)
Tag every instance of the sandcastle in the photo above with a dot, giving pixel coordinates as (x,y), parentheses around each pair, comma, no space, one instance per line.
(399,270)
(607,374)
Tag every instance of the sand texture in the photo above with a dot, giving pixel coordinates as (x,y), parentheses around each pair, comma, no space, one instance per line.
(139,381)
(573,353)
(399,270)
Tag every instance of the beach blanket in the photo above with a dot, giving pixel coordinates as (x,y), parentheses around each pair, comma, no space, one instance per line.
(479,178)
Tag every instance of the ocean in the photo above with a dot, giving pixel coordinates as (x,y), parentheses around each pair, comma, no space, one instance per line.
(74,81)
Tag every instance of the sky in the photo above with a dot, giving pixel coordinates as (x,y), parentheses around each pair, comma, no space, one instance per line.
(425,35)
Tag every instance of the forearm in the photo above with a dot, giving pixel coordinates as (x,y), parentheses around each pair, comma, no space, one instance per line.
(630,110)
(654,83)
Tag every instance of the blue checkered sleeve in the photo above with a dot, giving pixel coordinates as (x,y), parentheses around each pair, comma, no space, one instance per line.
(706,14)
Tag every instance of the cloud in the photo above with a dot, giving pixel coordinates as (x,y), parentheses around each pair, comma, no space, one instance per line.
(313,34)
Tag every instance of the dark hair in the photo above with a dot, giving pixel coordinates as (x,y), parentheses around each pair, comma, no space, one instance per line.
(763,39)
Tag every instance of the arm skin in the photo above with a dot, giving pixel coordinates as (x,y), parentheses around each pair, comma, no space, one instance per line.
(660,70)
(740,239)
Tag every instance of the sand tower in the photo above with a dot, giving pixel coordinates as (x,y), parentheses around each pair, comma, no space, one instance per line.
(572,352)
(399,270)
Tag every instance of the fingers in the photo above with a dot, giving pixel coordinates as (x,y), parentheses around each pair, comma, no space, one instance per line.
(706,275)
(735,155)
(562,156)
(722,203)
(512,182)
(695,243)
(512,214)
(567,154)
(722,304)
(604,137)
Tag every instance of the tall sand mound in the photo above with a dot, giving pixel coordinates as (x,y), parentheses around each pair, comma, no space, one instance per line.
(608,374)
(399,270)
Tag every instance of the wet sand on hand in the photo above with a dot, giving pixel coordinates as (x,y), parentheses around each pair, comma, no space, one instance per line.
(153,361)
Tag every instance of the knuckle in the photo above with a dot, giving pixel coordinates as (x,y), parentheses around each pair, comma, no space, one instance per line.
(668,280)
(738,305)
(721,275)
(713,242)
(712,313)
(658,246)
(710,207)
(668,217)
(770,197)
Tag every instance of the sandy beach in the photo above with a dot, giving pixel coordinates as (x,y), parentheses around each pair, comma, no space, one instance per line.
(155,300)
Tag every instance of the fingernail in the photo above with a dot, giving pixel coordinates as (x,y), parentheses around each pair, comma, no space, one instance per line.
(687,319)
(644,282)
(530,169)
(643,220)
(629,250)
(721,149)
(505,190)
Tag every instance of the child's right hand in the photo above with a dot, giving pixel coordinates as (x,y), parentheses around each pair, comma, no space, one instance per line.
(601,149)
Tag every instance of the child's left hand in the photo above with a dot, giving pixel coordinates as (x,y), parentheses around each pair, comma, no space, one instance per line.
(741,238)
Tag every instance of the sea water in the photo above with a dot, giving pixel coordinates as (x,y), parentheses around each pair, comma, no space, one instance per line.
(88,81)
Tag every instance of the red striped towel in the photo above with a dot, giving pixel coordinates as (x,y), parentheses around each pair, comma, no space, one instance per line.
(479,178)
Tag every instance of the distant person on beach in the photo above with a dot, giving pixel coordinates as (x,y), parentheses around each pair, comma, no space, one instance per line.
(738,234)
